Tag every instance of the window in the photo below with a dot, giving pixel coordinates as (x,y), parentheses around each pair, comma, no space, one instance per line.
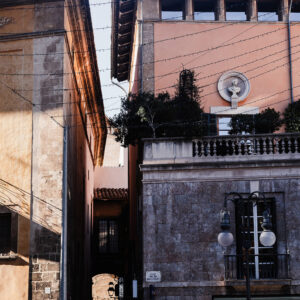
(5,233)
(267,11)
(224,125)
(236,11)
(295,12)
(267,16)
(204,10)
(172,10)
(108,236)
(262,260)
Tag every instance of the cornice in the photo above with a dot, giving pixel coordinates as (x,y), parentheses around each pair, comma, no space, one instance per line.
(123,18)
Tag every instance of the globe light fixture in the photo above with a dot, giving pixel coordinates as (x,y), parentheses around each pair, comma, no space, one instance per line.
(225,238)
(267,237)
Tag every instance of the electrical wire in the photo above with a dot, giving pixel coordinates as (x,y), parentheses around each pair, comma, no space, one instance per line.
(215,92)
(210,75)
(155,61)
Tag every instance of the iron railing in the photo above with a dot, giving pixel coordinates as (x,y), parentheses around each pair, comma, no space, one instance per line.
(262,266)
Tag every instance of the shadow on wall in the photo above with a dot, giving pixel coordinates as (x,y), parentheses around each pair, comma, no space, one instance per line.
(104,286)
(28,246)
(18,201)
(45,228)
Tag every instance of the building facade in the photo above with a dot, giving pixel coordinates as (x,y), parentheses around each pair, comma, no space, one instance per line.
(52,136)
(244,55)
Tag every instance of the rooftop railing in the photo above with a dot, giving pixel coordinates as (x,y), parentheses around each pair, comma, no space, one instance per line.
(246,145)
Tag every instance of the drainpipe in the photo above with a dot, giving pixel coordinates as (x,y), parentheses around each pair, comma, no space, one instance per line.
(141,48)
(63,267)
(290,53)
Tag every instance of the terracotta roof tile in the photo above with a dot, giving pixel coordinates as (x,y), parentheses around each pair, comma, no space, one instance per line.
(111,194)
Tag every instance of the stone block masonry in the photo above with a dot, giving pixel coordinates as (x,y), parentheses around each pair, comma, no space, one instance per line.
(45,266)
(181,206)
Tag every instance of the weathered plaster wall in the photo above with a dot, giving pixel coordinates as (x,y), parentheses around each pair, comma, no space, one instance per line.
(32,147)
(15,148)
(47,154)
(181,223)
(47,169)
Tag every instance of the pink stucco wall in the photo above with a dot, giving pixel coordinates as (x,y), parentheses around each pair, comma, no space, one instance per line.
(259,50)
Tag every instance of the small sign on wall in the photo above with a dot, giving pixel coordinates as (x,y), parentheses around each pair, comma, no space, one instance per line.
(153,276)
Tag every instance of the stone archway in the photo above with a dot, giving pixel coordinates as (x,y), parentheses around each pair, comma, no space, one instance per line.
(101,284)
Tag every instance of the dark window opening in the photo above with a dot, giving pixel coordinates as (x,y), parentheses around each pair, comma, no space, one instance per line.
(267,11)
(262,260)
(108,236)
(295,12)
(5,233)
(172,10)
(204,10)
(236,11)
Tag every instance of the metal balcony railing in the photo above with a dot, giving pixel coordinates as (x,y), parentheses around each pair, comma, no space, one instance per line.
(247,145)
(262,266)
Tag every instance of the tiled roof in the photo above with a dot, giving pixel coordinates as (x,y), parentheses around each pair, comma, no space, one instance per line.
(111,194)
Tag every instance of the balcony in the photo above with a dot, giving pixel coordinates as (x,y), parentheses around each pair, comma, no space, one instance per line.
(223,149)
(248,145)
(262,266)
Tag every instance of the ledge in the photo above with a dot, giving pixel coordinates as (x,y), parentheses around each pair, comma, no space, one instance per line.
(214,283)
(181,284)
(258,282)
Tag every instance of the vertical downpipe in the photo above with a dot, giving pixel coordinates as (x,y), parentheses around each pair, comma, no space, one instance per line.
(63,276)
(141,23)
(290,53)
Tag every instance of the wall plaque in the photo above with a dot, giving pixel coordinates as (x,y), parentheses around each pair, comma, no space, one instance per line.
(5,21)
(153,276)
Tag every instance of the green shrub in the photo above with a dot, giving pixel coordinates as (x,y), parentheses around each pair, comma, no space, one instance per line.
(268,121)
(292,117)
(241,124)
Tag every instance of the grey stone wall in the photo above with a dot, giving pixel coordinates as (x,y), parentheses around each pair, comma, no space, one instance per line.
(181,224)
